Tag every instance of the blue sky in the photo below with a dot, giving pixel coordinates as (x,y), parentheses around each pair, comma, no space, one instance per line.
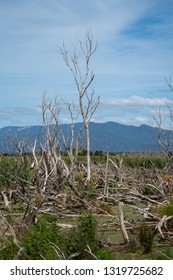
(134,55)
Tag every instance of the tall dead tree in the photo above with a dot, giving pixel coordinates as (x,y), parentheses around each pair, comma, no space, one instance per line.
(164,123)
(53,168)
(83,77)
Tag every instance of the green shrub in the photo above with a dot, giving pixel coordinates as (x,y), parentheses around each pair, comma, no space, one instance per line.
(45,240)
(132,161)
(8,250)
(148,190)
(167,210)
(104,254)
(76,241)
(159,162)
(12,167)
(146,162)
(87,229)
(165,255)
(37,242)
(146,238)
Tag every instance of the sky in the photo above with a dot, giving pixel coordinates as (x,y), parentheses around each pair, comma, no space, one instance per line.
(133,58)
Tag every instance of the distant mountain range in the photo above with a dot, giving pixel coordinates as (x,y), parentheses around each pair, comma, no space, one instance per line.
(109,136)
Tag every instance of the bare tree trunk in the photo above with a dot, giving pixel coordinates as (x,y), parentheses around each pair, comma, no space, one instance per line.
(83,79)
(121,219)
(6,201)
(106,176)
(88,154)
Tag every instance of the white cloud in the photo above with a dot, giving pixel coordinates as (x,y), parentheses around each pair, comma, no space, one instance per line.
(20,116)
(124,64)
(134,101)
(135,121)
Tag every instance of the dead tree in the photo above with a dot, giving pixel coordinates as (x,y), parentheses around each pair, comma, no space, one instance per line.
(165,138)
(83,78)
(121,221)
(51,170)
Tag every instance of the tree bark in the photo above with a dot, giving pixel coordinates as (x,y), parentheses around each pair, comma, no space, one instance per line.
(121,220)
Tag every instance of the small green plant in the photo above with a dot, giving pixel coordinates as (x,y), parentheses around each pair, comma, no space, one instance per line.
(8,249)
(148,190)
(165,255)
(106,207)
(146,238)
(104,254)
(87,228)
(167,210)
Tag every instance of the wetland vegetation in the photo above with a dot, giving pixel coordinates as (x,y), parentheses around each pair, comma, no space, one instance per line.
(53,221)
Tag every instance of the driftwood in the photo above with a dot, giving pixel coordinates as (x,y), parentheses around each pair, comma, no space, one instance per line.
(162,223)
(65,226)
(144,211)
(88,250)
(121,220)
(6,201)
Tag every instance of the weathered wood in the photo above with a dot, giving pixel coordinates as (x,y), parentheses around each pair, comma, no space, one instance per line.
(6,201)
(121,220)
(65,226)
(162,223)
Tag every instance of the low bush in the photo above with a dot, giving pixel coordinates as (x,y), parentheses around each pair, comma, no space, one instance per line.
(8,249)
(39,239)
(146,238)
(76,240)
(45,241)
(167,210)
(165,255)
(79,241)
